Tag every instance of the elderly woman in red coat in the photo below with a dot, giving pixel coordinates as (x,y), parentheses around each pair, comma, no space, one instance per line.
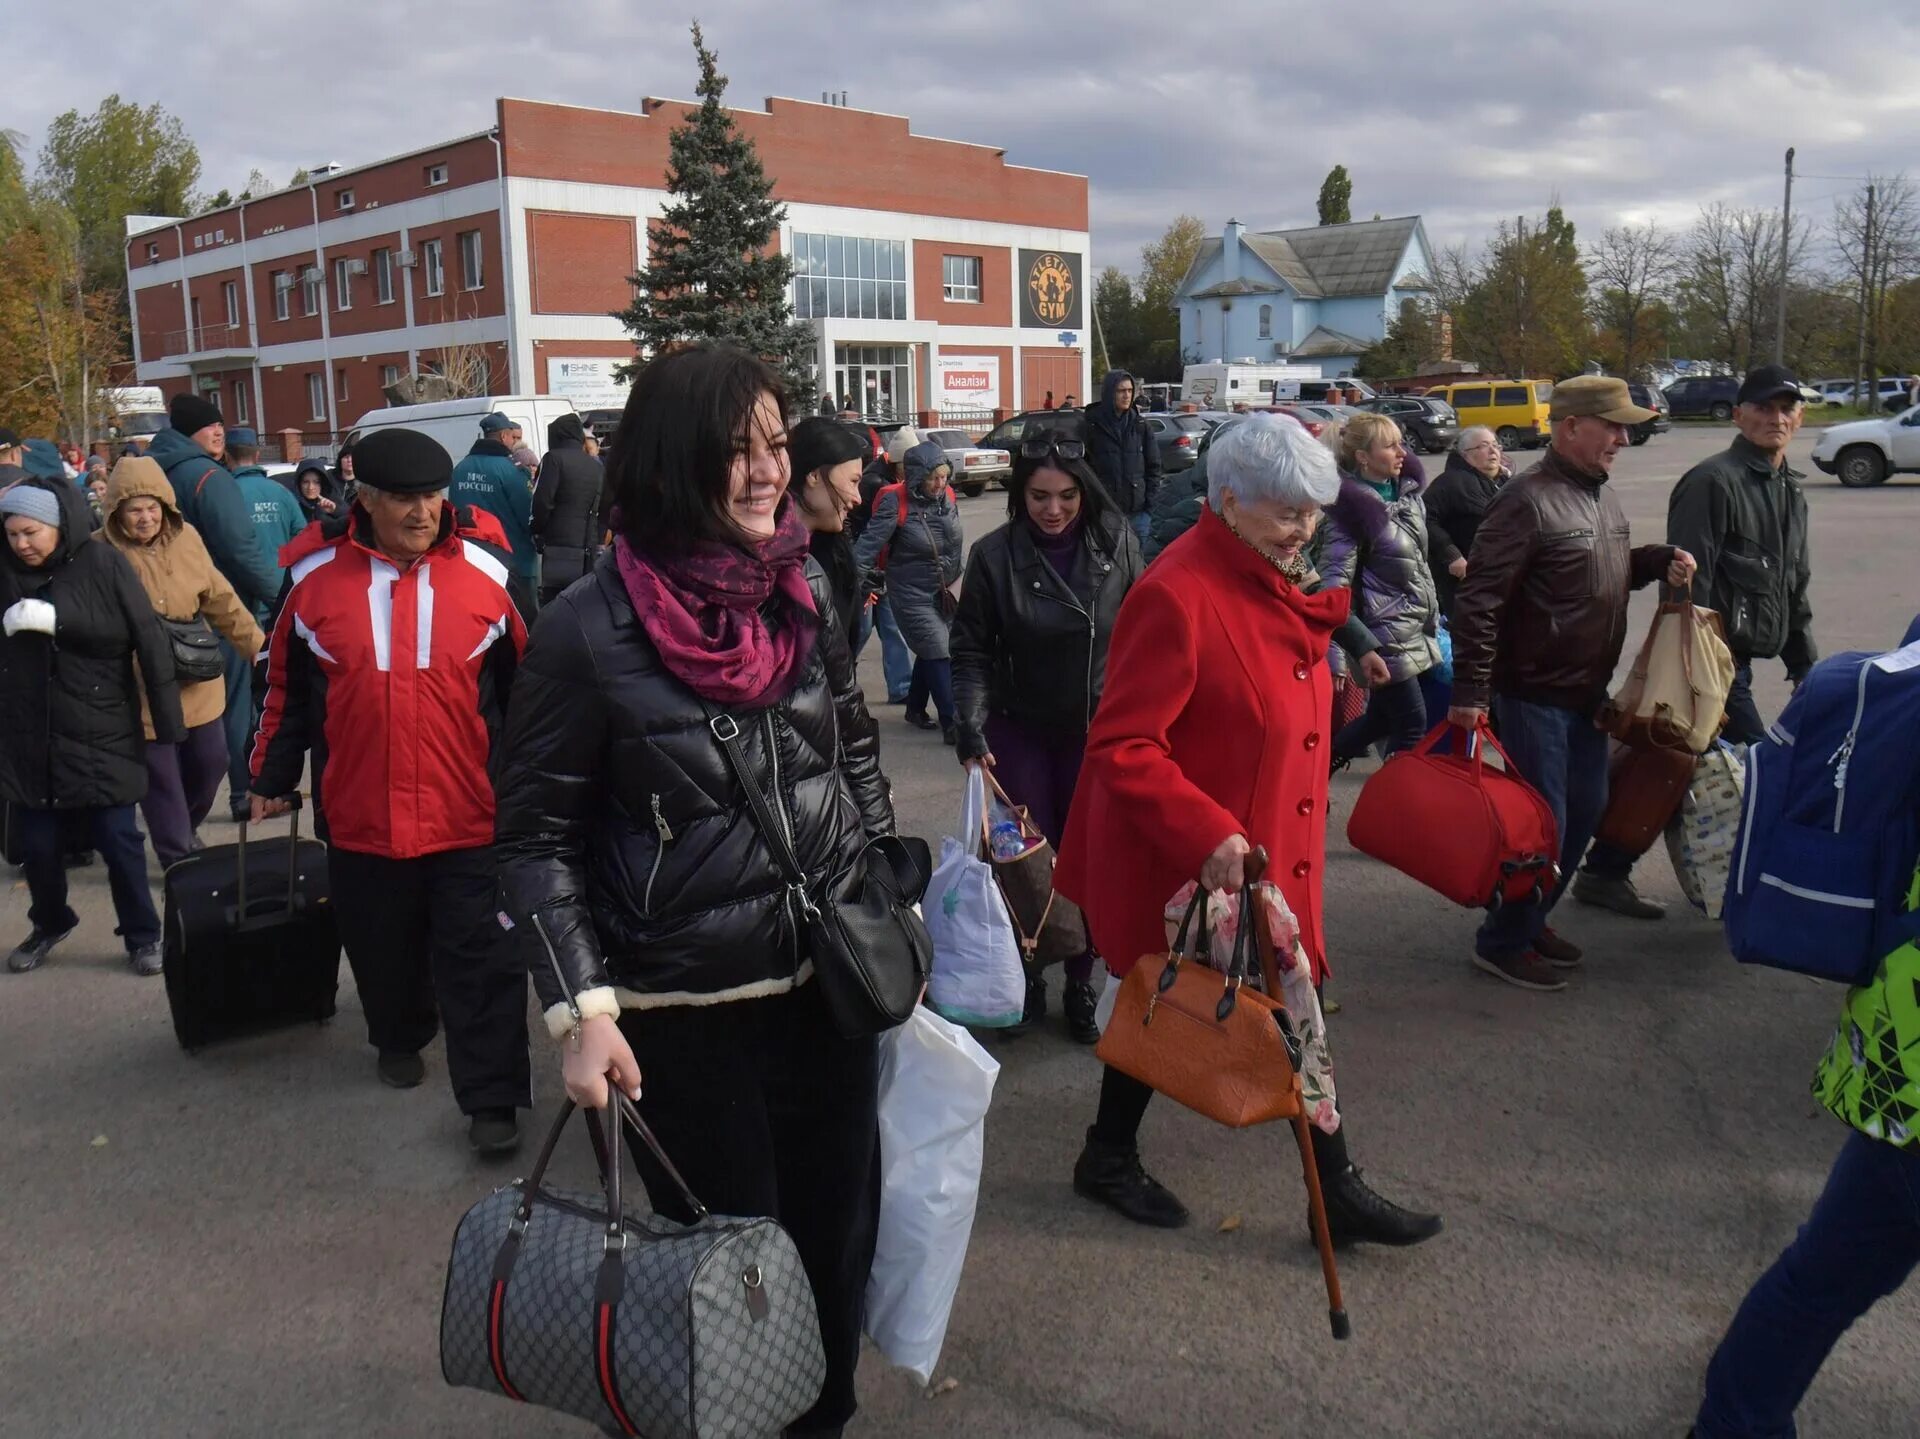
(1212,737)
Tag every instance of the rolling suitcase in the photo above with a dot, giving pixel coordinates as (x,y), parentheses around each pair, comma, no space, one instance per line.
(250,939)
(1483,837)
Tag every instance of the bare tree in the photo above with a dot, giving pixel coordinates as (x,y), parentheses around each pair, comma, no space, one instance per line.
(1877,257)
(1630,269)
(1729,279)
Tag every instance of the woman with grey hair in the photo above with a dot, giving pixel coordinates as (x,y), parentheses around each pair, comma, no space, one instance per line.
(1457,502)
(1210,739)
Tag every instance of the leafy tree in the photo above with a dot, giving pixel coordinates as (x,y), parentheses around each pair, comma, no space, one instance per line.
(121,160)
(221,199)
(1117,338)
(1336,197)
(1526,312)
(1163,265)
(1412,341)
(712,273)
(57,337)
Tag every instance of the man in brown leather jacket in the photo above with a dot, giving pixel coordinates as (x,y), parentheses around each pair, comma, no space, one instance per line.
(1538,625)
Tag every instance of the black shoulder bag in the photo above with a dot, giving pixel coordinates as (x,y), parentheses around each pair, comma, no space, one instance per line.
(871,953)
(196,649)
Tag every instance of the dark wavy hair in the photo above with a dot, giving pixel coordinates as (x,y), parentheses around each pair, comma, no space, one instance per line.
(690,413)
(819,443)
(1095,503)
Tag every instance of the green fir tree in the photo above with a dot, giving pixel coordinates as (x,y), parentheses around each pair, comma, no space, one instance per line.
(712,272)
(1336,197)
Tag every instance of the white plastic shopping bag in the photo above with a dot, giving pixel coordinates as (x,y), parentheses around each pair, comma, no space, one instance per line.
(977,977)
(935,1084)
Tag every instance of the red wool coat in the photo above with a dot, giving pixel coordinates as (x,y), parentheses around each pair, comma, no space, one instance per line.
(1215,721)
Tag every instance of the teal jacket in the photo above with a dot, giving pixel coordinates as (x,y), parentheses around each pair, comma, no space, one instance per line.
(276,514)
(210,500)
(489,480)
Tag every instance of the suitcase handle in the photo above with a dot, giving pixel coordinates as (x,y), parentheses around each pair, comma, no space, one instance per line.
(293,855)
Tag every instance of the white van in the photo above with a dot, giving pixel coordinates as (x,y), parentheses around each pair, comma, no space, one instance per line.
(1222,386)
(456,423)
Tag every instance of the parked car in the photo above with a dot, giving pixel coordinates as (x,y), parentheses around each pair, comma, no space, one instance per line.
(973,465)
(1179,439)
(1515,410)
(1314,418)
(1703,397)
(1427,424)
(1835,392)
(1864,452)
(1649,398)
(1007,435)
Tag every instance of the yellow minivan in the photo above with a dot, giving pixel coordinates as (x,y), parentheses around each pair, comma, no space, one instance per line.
(1515,410)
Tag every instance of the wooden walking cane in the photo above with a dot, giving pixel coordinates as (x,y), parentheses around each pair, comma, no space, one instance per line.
(1309,1168)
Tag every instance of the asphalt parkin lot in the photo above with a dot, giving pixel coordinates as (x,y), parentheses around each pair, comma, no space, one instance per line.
(252,1241)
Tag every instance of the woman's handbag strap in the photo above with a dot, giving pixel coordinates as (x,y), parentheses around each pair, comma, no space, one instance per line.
(726,731)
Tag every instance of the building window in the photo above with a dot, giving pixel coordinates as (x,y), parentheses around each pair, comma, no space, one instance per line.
(240,402)
(436,174)
(342,286)
(470,273)
(316,396)
(389,375)
(436,273)
(310,290)
(343,199)
(877,380)
(153,252)
(383,277)
(282,283)
(1266,322)
(340,385)
(960,278)
(842,277)
(230,292)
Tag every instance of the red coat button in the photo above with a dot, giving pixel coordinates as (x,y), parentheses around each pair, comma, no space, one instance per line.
(1305,806)
(1312,741)
(1300,869)
(1300,671)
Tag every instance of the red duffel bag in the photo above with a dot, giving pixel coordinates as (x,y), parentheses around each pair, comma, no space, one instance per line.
(1482,837)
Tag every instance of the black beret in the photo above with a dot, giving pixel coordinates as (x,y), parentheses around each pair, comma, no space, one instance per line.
(189,413)
(401,462)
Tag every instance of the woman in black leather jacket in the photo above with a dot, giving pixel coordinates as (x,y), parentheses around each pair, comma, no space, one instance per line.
(1030,651)
(659,931)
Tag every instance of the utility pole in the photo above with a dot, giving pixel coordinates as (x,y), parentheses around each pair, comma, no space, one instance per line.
(1786,239)
(1860,395)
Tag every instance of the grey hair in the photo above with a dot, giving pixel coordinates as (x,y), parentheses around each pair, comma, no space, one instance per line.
(1271,457)
(1471,436)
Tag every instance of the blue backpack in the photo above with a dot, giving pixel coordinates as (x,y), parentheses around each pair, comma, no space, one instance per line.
(1830,824)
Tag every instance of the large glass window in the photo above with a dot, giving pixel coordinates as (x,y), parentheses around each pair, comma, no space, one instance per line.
(877,380)
(849,278)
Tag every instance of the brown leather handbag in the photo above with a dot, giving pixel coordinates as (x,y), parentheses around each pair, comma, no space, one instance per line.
(1644,790)
(1201,1037)
(1050,926)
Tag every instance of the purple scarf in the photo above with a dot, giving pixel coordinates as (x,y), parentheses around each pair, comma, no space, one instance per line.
(702,612)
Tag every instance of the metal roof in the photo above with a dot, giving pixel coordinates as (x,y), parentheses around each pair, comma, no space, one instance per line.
(1323,343)
(1328,261)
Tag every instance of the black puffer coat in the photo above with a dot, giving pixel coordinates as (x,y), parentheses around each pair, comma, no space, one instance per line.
(625,844)
(567,506)
(70,729)
(1030,646)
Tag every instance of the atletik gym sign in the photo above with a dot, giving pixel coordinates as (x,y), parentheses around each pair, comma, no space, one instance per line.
(1050,285)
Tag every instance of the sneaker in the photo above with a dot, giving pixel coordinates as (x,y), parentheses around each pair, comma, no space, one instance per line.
(494,1131)
(1525,970)
(1111,1174)
(1618,895)
(1558,952)
(32,951)
(401,1070)
(1078,1002)
(147,960)
(920,719)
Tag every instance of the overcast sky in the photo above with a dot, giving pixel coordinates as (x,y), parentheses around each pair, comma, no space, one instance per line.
(1461,113)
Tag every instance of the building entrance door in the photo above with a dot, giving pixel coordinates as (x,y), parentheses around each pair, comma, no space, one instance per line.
(877,378)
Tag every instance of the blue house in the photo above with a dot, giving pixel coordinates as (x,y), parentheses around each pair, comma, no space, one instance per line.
(1317,296)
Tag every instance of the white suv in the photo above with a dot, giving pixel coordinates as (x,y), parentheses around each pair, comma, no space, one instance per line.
(1865,452)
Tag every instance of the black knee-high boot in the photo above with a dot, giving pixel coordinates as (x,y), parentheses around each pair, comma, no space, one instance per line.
(1355,1214)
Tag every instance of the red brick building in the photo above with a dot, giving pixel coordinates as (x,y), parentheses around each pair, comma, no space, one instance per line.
(936,276)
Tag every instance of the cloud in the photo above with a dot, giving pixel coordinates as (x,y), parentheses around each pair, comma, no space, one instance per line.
(1462,114)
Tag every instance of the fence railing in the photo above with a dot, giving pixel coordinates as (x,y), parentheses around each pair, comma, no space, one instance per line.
(195,339)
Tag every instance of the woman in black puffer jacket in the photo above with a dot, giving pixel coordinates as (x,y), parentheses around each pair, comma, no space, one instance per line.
(75,619)
(659,929)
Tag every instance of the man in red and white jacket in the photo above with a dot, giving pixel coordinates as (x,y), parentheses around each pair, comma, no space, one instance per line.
(397,642)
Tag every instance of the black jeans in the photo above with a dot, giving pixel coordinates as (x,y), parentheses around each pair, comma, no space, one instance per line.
(1395,712)
(421,930)
(1744,726)
(123,849)
(767,1109)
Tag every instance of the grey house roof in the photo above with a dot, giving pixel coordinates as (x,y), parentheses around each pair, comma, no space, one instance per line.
(1322,261)
(1323,343)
